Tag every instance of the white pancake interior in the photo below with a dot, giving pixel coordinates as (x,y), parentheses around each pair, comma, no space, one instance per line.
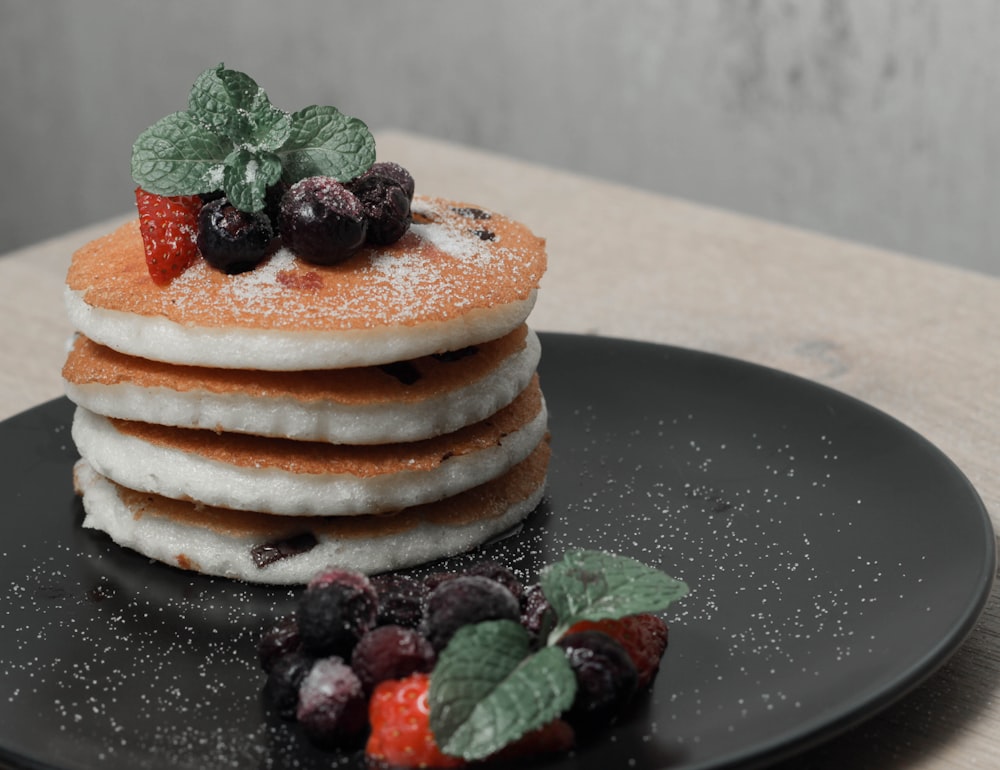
(160,339)
(213,553)
(149,467)
(338,423)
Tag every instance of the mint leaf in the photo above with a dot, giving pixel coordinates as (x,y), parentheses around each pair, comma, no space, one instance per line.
(246,177)
(592,585)
(232,105)
(487,689)
(176,156)
(325,142)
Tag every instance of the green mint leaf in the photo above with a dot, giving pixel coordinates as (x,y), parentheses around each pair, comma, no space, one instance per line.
(592,585)
(246,176)
(325,142)
(177,155)
(488,689)
(231,104)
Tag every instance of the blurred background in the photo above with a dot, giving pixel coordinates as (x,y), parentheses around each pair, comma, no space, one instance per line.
(876,122)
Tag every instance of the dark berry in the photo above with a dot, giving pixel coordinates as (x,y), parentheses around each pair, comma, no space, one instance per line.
(231,240)
(401,600)
(396,173)
(391,652)
(281,689)
(321,221)
(464,600)
(335,611)
(537,615)
(494,570)
(385,205)
(434,579)
(277,641)
(605,675)
(332,705)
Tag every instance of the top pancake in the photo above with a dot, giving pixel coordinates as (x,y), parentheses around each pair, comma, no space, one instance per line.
(460,276)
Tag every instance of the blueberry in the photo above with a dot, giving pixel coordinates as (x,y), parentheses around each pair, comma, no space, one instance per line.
(335,611)
(396,173)
(401,600)
(332,707)
(322,221)
(281,689)
(391,652)
(464,600)
(277,641)
(385,205)
(231,240)
(605,675)
(502,574)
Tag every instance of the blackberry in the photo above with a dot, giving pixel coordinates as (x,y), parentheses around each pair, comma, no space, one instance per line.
(231,240)
(401,600)
(334,612)
(385,205)
(466,599)
(605,675)
(281,689)
(322,221)
(332,707)
(277,641)
(391,652)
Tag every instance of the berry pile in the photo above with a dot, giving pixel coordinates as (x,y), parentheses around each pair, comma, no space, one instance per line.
(354,664)
(318,218)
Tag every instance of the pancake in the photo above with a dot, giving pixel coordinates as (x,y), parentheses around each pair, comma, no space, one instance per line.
(299,478)
(407,401)
(460,276)
(258,548)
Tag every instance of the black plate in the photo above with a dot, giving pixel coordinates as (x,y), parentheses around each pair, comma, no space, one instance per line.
(835,560)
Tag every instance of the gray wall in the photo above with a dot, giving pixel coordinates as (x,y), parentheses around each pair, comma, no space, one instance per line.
(873,120)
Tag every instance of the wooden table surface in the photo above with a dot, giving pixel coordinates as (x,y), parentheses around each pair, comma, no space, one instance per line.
(918,340)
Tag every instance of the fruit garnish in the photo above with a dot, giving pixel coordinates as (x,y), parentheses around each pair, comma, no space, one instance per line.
(169,228)
(337,608)
(644,638)
(332,705)
(391,652)
(231,138)
(490,686)
(400,726)
(231,240)
(385,206)
(523,669)
(322,221)
(463,601)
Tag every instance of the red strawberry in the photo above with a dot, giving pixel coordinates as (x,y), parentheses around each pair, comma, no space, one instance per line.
(169,227)
(644,638)
(400,725)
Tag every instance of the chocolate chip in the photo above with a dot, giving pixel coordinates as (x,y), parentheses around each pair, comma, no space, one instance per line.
(403,371)
(456,355)
(276,550)
(485,235)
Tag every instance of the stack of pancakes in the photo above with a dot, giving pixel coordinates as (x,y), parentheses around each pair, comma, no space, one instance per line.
(374,414)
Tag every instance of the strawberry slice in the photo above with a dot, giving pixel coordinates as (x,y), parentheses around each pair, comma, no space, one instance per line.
(169,227)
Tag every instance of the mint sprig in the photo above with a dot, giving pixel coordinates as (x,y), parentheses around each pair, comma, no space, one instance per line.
(489,688)
(231,138)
